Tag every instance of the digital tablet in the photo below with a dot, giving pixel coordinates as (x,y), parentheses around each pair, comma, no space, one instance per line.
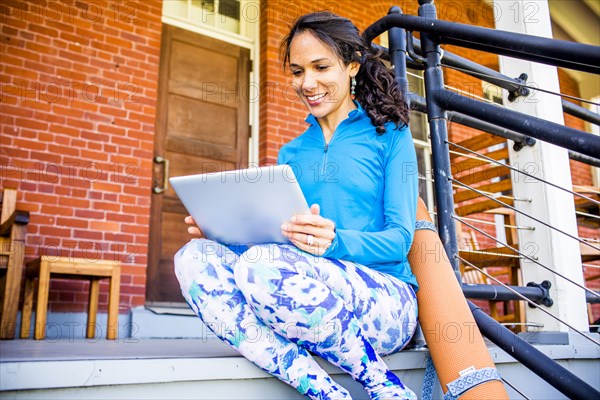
(242,207)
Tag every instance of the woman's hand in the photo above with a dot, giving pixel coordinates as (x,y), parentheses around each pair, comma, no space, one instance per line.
(310,232)
(194,229)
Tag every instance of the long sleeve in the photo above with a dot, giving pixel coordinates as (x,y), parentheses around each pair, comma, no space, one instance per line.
(392,243)
(367,184)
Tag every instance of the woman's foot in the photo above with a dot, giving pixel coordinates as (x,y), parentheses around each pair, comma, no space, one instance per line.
(393,392)
(333,392)
(392,388)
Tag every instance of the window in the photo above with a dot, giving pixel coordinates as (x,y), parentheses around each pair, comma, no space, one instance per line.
(420,132)
(234,18)
(221,14)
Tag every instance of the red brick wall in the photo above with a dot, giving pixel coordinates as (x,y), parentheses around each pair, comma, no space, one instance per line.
(78,103)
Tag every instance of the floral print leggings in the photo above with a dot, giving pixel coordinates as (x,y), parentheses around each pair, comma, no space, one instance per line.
(276,304)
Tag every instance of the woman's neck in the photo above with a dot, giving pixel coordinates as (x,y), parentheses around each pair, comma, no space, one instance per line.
(330,122)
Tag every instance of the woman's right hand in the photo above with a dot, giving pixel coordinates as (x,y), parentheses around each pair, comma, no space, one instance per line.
(194,229)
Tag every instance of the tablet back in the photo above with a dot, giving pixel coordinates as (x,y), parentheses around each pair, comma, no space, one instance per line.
(242,207)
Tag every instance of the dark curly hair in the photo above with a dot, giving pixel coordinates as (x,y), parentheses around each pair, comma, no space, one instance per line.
(376,89)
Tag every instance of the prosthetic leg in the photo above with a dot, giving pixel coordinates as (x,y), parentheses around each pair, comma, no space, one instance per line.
(464,365)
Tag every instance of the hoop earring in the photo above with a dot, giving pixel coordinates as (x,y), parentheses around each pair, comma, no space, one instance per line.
(353,86)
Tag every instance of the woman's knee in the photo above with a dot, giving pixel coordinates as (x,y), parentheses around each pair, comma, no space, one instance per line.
(256,257)
(201,257)
(263,262)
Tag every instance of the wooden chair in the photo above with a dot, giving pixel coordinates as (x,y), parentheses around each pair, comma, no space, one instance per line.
(13,227)
(494,180)
(587,206)
(512,312)
(588,212)
(41,269)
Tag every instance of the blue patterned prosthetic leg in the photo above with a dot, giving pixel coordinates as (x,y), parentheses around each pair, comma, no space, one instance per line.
(346,313)
(205,272)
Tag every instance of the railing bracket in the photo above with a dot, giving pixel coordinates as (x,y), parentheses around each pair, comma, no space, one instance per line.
(521,90)
(527,141)
(544,287)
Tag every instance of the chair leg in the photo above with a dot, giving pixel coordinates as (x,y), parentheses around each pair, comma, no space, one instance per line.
(92,308)
(42,301)
(12,291)
(113,304)
(493,309)
(27,307)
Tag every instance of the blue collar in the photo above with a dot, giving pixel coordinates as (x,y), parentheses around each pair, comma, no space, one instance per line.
(353,115)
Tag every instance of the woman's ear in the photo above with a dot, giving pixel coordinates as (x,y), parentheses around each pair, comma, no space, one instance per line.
(353,68)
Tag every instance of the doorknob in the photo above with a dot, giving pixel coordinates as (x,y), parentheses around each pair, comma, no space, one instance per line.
(165,185)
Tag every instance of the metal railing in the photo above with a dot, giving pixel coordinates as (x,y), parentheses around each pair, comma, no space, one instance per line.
(442,105)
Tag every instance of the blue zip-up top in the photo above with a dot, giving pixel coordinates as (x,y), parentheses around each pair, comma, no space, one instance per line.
(367,184)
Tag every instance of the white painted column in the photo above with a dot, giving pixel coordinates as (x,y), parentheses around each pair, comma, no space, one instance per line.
(551,163)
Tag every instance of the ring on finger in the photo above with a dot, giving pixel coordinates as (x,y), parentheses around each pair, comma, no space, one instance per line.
(310,239)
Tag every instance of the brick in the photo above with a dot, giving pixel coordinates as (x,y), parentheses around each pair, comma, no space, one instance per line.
(54,231)
(87,233)
(43,30)
(32,124)
(104,226)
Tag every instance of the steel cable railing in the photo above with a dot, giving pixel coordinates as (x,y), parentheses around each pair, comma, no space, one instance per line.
(525,214)
(531,303)
(491,160)
(525,256)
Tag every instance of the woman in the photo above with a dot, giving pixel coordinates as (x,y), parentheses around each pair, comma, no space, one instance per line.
(344,290)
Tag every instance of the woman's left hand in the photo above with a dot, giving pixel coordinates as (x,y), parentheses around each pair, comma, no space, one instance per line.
(310,232)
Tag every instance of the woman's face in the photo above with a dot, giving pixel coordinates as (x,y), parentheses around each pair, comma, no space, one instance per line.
(320,77)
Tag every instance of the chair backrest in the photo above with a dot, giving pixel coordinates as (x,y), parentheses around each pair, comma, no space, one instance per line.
(483,175)
(8,199)
(468,242)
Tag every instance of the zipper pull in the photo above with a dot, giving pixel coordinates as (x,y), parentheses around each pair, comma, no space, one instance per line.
(326,147)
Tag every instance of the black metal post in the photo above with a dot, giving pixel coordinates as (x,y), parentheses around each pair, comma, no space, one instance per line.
(546,368)
(397,55)
(513,85)
(434,82)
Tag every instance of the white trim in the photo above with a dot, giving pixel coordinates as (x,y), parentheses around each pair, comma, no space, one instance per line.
(209,31)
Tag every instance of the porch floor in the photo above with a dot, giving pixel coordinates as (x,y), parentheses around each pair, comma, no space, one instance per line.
(27,350)
(209,369)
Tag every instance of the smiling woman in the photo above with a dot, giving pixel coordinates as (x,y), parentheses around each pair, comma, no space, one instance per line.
(321,80)
(343,289)
(329,60)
